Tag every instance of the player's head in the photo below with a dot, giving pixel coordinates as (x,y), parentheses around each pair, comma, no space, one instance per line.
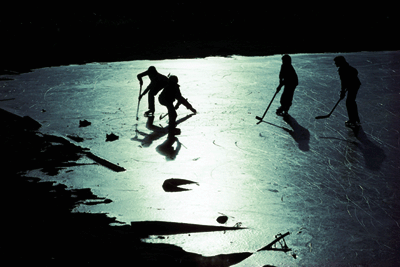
(173,79)
(339,61)
(286,59)
(152,70)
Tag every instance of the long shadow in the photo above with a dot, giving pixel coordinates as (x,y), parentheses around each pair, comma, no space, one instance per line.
(300,134)
(374,156)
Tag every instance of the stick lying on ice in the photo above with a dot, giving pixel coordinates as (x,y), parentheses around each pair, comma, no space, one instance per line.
(278,237)
(99,160)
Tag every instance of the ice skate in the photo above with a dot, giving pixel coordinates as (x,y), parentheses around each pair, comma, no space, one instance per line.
(149,113)
(282,113)
(352,124)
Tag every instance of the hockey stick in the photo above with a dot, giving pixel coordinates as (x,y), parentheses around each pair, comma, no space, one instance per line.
(137,111)
(260,119)
(327,116)
(271,246)
(176,107)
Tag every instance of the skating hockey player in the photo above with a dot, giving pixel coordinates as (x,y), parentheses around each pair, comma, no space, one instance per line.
(349,83)
(289,80)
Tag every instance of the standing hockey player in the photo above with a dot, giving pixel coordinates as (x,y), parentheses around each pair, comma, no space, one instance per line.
(157,83)
(288,79)
(349,83)
(167,97)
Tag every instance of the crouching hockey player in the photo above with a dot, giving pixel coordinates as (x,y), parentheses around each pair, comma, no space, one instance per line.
(167,97)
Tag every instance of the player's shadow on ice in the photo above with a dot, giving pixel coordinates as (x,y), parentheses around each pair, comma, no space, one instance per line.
(373,154)
(166,149)
(300,134)
(149,138)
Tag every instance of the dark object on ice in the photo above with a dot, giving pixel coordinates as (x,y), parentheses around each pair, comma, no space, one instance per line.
(174,228)
(172,185)
(272,245)
(75,138)
(277,91)
(84,123)
(350,84)
(104,162)
(222,219)
(111,137)
(287,78)
(327,116)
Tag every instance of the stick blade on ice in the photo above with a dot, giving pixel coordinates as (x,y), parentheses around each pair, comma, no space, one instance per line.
(321,117)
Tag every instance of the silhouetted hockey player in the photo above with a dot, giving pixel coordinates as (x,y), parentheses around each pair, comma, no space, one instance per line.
(157,83)
(288,79)
(167,97)
(349,83)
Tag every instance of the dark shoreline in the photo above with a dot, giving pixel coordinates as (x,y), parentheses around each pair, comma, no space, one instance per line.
(25,61)
(41,227)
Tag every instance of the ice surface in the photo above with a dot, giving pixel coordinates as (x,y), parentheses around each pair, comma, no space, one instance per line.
(335,189)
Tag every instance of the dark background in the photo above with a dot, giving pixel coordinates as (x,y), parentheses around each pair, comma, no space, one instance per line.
(35,35)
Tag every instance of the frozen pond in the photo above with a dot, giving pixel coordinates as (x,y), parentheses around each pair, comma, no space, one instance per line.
(334,189)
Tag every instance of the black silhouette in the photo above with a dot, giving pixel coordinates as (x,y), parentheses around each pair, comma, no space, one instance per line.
(272,245)
(84,123)
(287,78)
(349,83)
(111,137)
(167,97)
(173,185)
(157,83)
